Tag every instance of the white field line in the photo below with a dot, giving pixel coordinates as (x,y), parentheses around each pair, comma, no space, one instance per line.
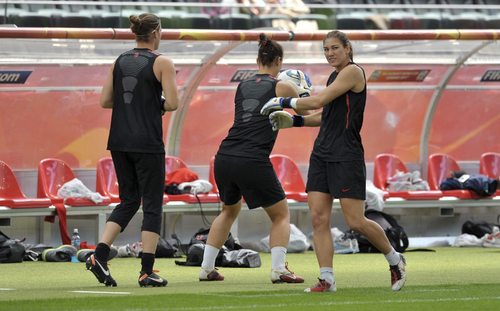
(330,303)
(7,289)
(98,292)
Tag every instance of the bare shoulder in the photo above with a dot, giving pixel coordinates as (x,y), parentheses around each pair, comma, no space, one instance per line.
(164,61)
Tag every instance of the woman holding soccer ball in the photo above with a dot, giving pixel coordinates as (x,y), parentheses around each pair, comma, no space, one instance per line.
(242,167)
(337,167)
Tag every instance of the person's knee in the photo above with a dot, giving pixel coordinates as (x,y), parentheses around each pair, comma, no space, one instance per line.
(320,220)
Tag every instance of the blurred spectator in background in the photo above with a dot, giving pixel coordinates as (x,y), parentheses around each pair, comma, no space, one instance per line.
(290,8)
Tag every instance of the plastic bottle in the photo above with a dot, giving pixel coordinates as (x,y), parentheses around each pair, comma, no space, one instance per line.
(75,239)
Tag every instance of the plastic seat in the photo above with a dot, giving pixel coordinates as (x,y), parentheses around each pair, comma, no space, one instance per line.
(106,182)
(173,163)
(289,176)
(385,166)
(439,168)
(233,21)
(351,21)
(489,165)
(52,174)
(76,20)
(11,194)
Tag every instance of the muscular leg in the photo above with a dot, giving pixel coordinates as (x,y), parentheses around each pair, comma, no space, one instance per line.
(280,228)
(320,205)
(221,226)
(354,210)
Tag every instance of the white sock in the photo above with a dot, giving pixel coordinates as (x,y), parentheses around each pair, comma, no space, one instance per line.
(393,257)
(326,273)
(209,257)
(278,258)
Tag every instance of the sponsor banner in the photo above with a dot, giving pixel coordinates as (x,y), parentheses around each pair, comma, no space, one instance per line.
(491,76)
(398,75)
(243,74)
(16,77)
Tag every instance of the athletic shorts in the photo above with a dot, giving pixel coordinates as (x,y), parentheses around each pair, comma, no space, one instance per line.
(254,180)
(340,179)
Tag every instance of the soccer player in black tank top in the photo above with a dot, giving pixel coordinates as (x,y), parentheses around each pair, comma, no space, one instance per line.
(242,167)
(133,90)
(337,167)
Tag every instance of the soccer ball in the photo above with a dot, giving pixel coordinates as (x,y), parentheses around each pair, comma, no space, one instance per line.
(299,80)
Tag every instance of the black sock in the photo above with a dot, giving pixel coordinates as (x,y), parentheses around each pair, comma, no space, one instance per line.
(102,253)
(147,262)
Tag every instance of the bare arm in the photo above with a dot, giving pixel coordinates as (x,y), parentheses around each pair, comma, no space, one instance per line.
(167,74)
(284,89)
(313,119)
(106,100)
(350,78)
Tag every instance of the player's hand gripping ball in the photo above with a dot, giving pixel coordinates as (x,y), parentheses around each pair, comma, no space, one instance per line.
(299,80)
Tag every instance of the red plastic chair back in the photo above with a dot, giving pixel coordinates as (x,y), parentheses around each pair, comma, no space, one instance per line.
(106,183)
(489,165)
(385,166)
(9,187)
(439,168)
(288,173)
(52,174)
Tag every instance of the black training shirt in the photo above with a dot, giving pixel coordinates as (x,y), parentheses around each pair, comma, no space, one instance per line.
(251,135)
(136,122)
(339,136)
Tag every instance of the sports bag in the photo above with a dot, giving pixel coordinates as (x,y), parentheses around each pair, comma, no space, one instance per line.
(10,250)
(394,232)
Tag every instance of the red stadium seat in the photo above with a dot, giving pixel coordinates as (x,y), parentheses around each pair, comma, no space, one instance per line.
(489,165)
(289,176)
(11,194)
(439,168)
(106,183)
(52,174)
(173,163)
(385,166)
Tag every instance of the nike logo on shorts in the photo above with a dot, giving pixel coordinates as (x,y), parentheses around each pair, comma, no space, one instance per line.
(345,189)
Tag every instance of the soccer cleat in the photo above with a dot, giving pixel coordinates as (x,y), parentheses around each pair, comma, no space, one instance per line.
(285,276)
(321,287)
(213,275)
(100,271)
(398,274)
(153,279)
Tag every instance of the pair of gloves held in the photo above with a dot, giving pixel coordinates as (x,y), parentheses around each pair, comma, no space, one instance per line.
(278,118)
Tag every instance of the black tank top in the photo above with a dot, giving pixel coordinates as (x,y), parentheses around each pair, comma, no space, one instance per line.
(339,136)
(251,135)
(136,121)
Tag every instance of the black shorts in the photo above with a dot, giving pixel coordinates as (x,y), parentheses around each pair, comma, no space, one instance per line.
(340,179)
(255,180)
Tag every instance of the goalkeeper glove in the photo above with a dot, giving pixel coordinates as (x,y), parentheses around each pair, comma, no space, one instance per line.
(283,120)
(278,103)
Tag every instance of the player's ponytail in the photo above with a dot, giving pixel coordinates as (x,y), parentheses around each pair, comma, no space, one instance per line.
(269,50)
(144,25)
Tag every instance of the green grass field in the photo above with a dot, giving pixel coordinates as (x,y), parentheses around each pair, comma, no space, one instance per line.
(448,279)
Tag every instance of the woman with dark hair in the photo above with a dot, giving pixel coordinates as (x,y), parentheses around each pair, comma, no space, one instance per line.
(133,89)
(242,167)
(337,167)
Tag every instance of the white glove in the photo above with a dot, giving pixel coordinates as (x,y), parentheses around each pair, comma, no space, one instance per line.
(274,104)
(280,120)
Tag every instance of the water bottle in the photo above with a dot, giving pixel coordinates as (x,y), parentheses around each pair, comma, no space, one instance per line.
(75,239)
